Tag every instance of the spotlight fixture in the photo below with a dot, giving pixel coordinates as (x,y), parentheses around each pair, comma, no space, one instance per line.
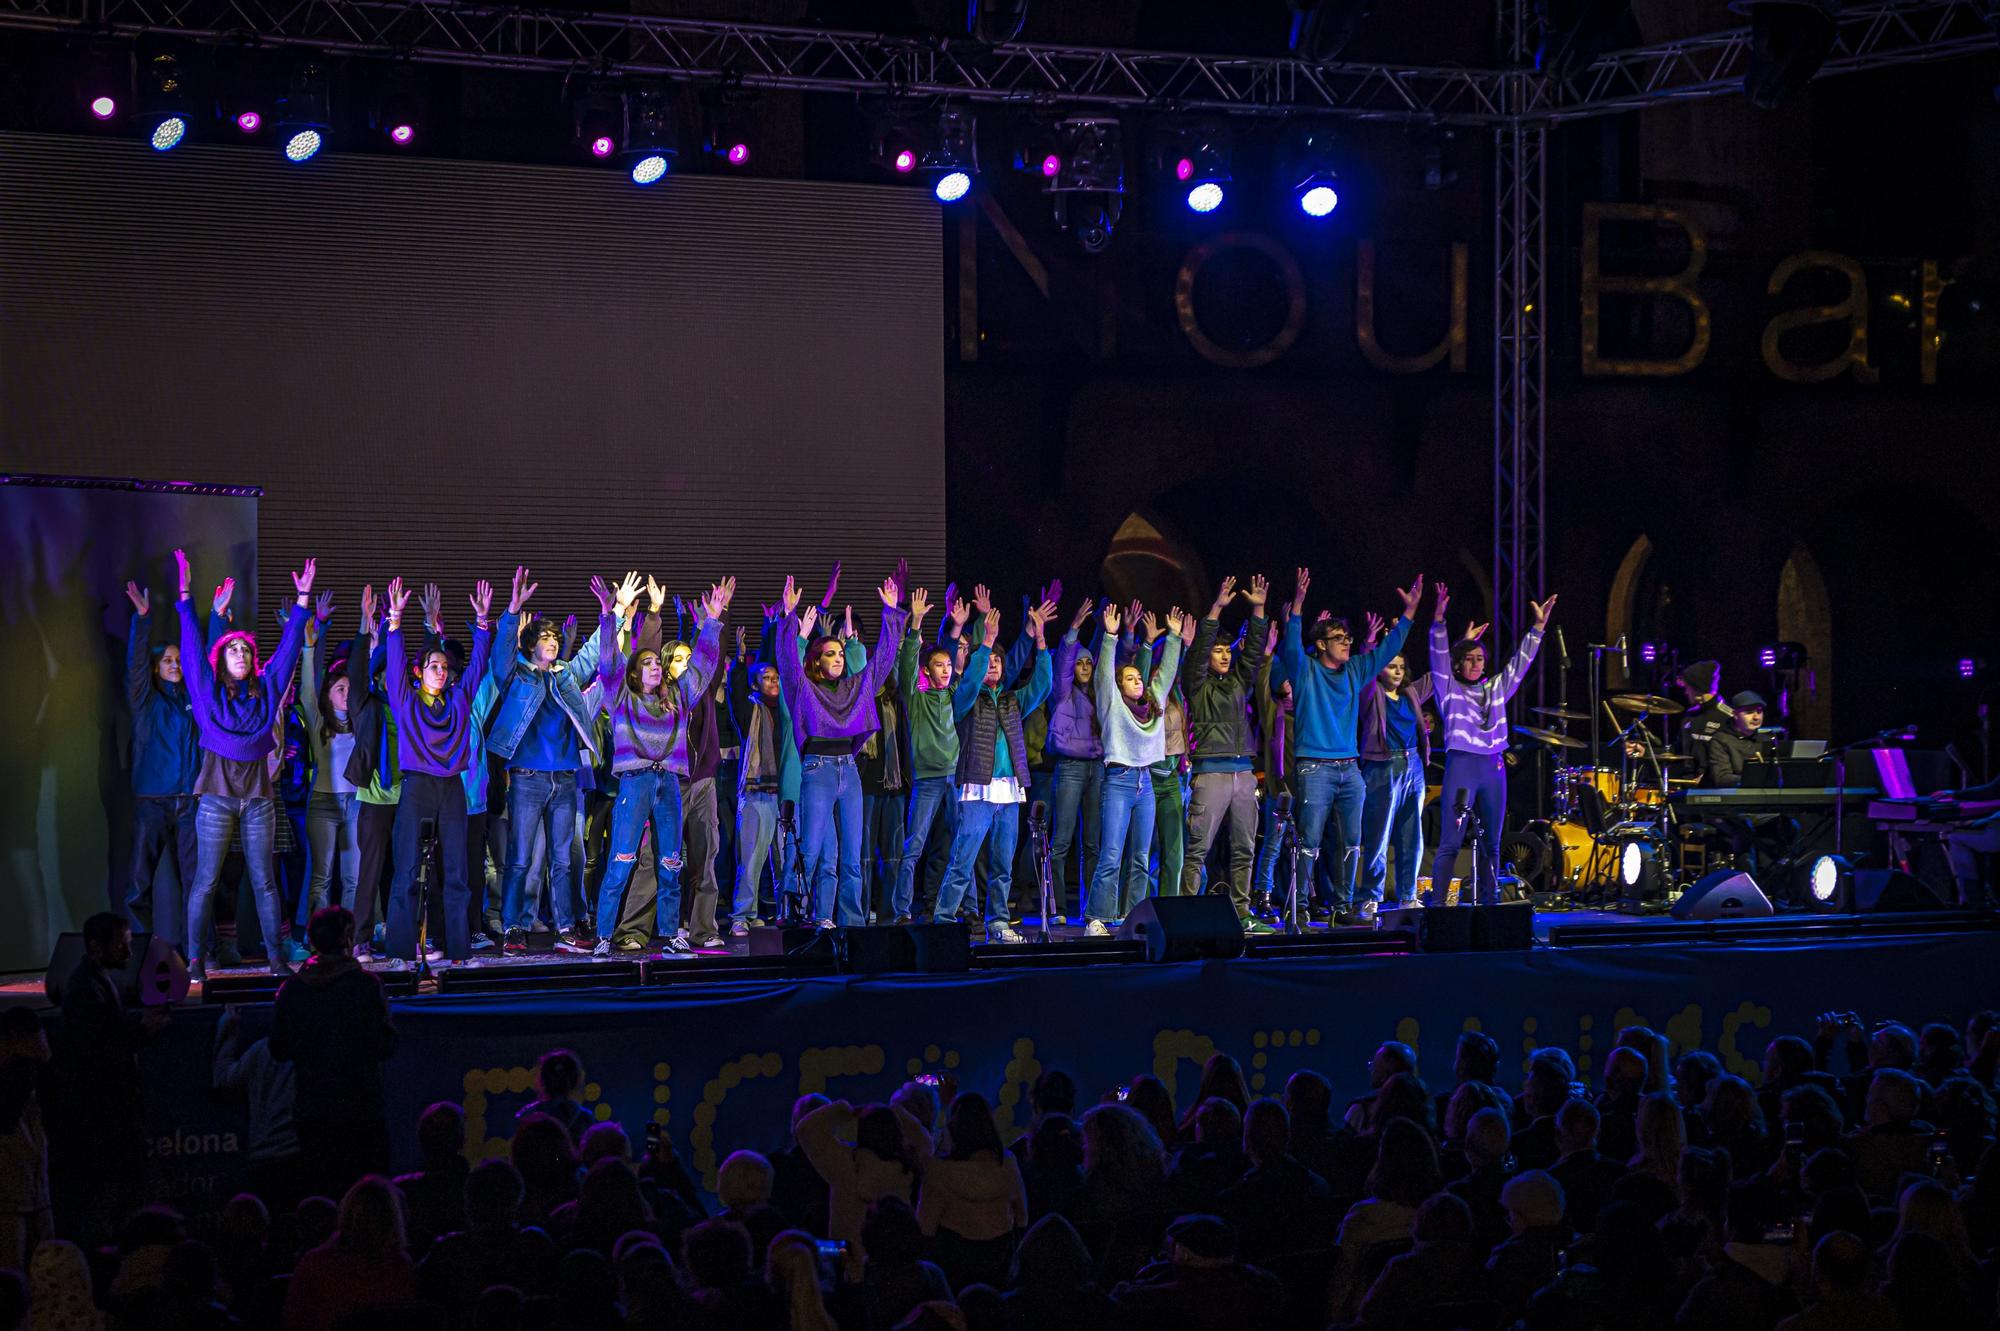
(597,117)
(1782,656)
(1789,41)
(1968,667)
(651,141)
(398,106)
(249,121)
(955,158)
(1196,157)
(1037,151)
(163,99)
(103,80)
(1640,876)
(304,111)
(1317,192)
(1829,885)
(728,124)
(1085,170)
(1649,652)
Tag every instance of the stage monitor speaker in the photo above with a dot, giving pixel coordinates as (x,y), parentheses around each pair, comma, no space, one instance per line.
(1508,928)
(880,949)
(1888,891)
(791,940)
(1438,928)
(939,949)
(156,976)
(1726,894)
(1185,928)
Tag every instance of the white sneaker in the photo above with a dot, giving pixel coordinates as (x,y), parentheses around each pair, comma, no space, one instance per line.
(1096,929)
(739,929)
(1003,933)
(602,952)
(1059,919)
(824,925)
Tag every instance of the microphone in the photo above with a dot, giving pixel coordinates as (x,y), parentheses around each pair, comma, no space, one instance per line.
(1283,806)
(1459,805)
(1038,814)
(1624,661)
(1562,648)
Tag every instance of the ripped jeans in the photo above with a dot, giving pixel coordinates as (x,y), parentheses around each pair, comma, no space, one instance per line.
(654,794)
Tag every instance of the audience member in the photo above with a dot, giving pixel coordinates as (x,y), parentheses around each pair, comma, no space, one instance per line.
(1200,1286)
(1440,1269)
(743,1184)
(1662,1136)
(1052,1282)
(545,1157)
(1537,1234)
(558,1081)
(896,1277)
(1390,1059)
(1488,1152)
(1052,1171)
(434,1196)
(1279,1206)
(1746,1284)
(276,1161)
(1405,1174)
(863,1156)
(100,1136)
(59,1289)
(792,1268)
(1892,1140)
(973,1205)
(724,1280)
(493,1248)
(364,1265)
(1626,1073)
(1841,1299)
(1543,1094)
(797,1190)
(1210,1158)
(25,1215)
(1054,1092)
(1585,1175)
(1309,1105)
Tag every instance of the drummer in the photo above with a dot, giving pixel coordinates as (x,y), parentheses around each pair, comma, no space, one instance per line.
(1707,713)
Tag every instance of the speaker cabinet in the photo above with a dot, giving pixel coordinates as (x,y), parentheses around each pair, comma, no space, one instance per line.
(1726,894)
(1185,928)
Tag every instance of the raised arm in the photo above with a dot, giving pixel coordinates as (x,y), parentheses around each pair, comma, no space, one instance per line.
(397,675)
(312,669)
(965,692)
(1036,691)
(1524,654)
(138,652)
(1169,647)
(1104,684)
(1250,660)
(610,661)
(883,659)
(1372,660)
(707,652)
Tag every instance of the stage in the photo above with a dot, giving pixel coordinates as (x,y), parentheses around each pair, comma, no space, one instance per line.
(718,1062)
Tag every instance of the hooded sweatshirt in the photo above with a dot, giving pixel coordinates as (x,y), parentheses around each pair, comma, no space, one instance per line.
(1128,741)
(1073,721)
(238,723)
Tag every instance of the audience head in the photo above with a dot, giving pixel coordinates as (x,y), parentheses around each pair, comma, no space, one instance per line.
(1309,1102)
(1786,1059)
(745,1181)
(1696,1069)
(1825,1171)
(371,1219)
(189,1275)
(499,1308)
(1476,1058)
(1815,1112)
(1406,1165)
(493,1195)
(716,1254)
(1893,1098)
(604,1141)
(315,1222)
(878,1131)
(107,940)
(806,1104)
(1051,1257)
(1962,1106)
(543,1152)
(1218,1123)
(890,1234)
(1928,1207)
(1054,1092)
(440,1133)
(330,932)
(1267,1132)
(972,1128)
(1443,1218)
(558,1075)
(155,1226)
(1576,1126)
(1703,1181)
(1893,1045)
(1731,1107)
(1533,1200)
(610,1192)
(1148,1097)
(1546,1087)
(1120,1146)
(1487,1138)
(919,1101)
(1840,1265)
(1651,1046)
(1056,1143)
(1843,1210)
(792,1266)
(59,1290)
(1390,1058)
(1201,1241)
(1469,1099)
(1404,1096)
(245,1226)
(1625,1073)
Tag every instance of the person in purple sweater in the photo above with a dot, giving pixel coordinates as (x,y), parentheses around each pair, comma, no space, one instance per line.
(650,717)
(236,709)
(1076,744)
(832,713)
(433,748)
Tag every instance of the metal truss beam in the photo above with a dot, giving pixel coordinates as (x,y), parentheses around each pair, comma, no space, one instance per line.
(510,36)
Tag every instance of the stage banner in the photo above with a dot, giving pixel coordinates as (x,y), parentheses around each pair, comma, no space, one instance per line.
(67,549)
(719,1066)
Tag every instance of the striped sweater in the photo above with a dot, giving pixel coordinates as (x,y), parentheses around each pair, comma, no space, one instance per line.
(1475,715)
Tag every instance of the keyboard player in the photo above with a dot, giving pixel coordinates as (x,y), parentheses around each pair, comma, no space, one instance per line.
(1729,746)
(1967,842)
(1733,746)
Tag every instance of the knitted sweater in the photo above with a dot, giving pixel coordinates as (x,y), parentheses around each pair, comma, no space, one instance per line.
(1128,741)
(238,722)
(653,732)
(434,735)
(843,708)
(1475,715)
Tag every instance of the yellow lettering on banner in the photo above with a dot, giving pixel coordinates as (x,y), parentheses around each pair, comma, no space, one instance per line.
(1295,293)
(701,1139)
(480,1083)
(1683,1031)
(1022,1071)
(1453,343)
(816,1066)
(1673,286)
(1854,310)
(1929,338)
(1734,1060)
(1170,1047)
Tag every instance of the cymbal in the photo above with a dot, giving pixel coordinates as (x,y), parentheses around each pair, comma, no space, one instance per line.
(1560,714)
(1683,780)
(1550,737)
(1645,702)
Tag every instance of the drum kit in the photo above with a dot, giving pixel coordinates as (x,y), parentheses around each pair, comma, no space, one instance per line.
(1600,811)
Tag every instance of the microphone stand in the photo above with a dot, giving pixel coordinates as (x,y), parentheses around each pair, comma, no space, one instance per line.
(1288,838)
(1038,847)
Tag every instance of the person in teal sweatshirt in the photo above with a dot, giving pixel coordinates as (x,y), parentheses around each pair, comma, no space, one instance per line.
(1327,687)
(1131,710)
(923,675)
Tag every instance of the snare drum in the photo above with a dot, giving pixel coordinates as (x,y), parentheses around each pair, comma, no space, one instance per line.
(1603,780)
(1651,795)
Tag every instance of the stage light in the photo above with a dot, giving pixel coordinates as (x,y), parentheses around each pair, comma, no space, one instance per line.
(1197,157)
(652,140)
(103,80)
(1968,667)
(398,105)
(104,107)
(401,135)
(955,156)
(1631,863)
(738,154)
(906,161)
(1307,156)
(1829,885)
(249,121)
(953,186)
(603,146)
(1205,197)
(1789,41)
(305,111)
(1767,657)
(1086,186)
(729,125)
(163,101)
(1639,873)
(1649,652)
(648,168)
(168,133)
(1318,200)
(1184,168)
(597,117)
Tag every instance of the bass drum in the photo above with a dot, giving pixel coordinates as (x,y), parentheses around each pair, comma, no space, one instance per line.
(1572,849)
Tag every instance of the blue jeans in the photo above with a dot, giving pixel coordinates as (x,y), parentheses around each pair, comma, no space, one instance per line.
(1330,791)
(977,821)
(1079,796)
(882,850)
(1394,817)
(643,796)
(332,822)
(830,833)
(162,824)
(1479,782)
(757,823)
(215,826)
(539,802)
(1125,820)
(930,798)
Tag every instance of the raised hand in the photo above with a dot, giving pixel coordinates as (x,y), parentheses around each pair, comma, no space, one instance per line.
(742,647)
(141,602)
(1185,629)
(1110,618)
(323,607)
(1375,626)
(1259,593)
(303,579)
(219,603)
(902,574)
(1082,616)
(790,598)
(482,603)
(181,571)
(1543,611)
(1132,614)
(961,610)
(1411,595)
(1223,595)
(992,628)
(569,633)
(1052,592)
(847,620)
(656,595)
(602,591)
(368,609)
(982,599)
(1044,612)
(920,605)
(891,592)
(432,601)
(832,586)
(823,620)
(1474,631)
(399,596)
(1151,623)
(716,603)
(628,591)
(522,590)
(1443,602)
(1299,596)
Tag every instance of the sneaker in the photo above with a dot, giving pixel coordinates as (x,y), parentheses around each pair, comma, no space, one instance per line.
(871,917)
(1058,919)
(1318,914)
(397,965)
(568,940)
(824,925)
(1004,933)
(676,948)
(1253,925)
(432,952)
(630,944)
(603,950)
(482,942)
(281,968)
(363,953)
(380,936)
(739,928)
(296,952)
(227,957)
(1369,910)
(1349,919)
(197,972)
(1096,929)
(711,941)
(905,919)
(515,943)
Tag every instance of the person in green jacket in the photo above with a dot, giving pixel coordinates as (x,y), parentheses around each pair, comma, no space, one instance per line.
(1220,681)
(923,675)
